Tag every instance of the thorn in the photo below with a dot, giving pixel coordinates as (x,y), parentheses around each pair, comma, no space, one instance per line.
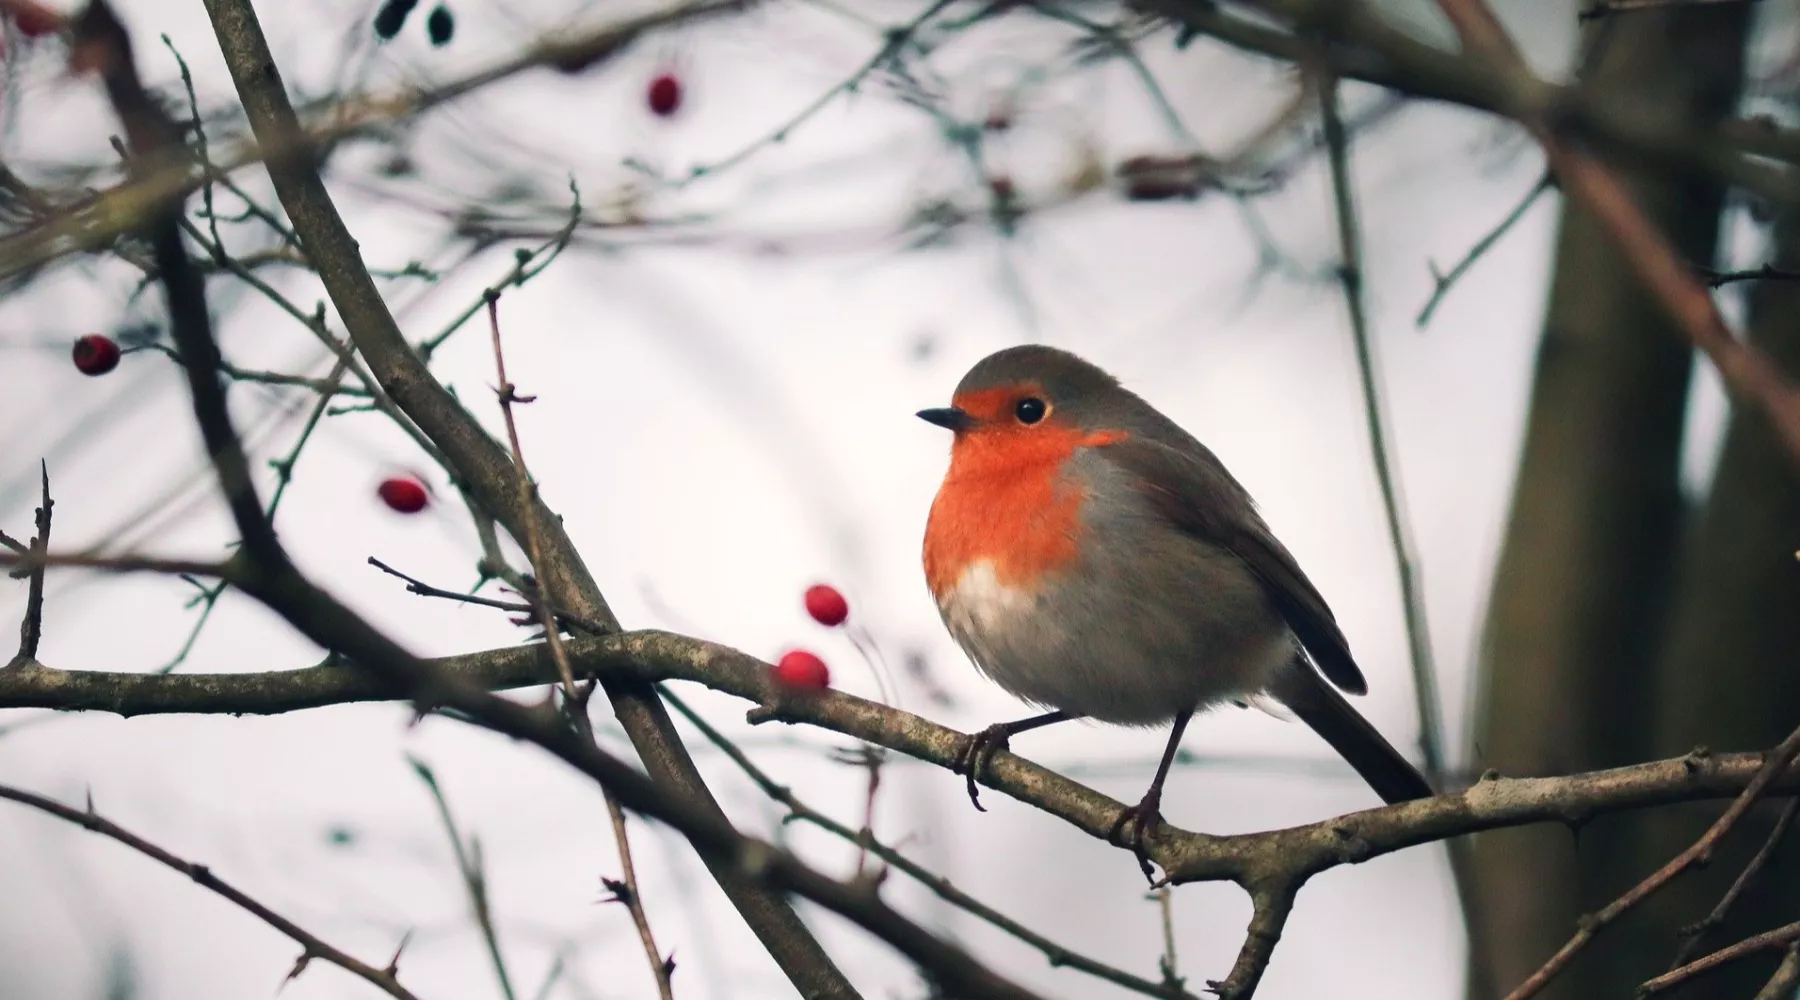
(669,965)
(300,965)
(621,893)
(393,965)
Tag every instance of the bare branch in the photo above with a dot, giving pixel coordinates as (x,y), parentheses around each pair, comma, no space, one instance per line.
(1698,932)
(1387,471)
(1442,283)
(312,947)
(1272,903)
(1787,936)
(1777,763)
(651,656)
(99,220)
(1767,272)
(470,867)
(542,605)
(31,626)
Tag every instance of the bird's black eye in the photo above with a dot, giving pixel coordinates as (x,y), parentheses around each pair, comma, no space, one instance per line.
(1030,410)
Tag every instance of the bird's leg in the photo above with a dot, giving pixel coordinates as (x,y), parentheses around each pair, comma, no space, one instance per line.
(998,736)
(1146,816)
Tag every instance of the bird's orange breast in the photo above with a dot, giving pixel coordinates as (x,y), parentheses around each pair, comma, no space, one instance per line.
(1006,501)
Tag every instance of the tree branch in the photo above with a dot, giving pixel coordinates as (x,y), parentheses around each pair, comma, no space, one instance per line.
(31,626)
(1779,761)
(1781,937)
(1272,903)
(483,468)
(312,947)
(651,656)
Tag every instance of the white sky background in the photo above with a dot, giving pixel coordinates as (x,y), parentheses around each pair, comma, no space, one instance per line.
(721,427)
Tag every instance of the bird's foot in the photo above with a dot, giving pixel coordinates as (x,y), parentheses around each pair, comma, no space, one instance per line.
(1142,819)
(980,750)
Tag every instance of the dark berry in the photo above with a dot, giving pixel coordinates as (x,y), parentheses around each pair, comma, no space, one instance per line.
(440,27)
(392,17)
(664,95)
(95,354)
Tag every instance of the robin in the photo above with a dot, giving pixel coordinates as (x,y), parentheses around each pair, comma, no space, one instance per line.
(1092,558)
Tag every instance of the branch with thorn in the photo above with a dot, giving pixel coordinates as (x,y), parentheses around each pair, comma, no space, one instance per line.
(31,625)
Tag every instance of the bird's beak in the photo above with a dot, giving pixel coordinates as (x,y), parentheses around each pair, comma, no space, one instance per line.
(949,417)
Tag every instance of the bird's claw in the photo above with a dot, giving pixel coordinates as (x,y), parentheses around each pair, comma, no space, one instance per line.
(1143,819)
(980,750)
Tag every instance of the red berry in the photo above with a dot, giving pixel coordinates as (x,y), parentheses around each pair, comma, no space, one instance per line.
(664,96)
(95,354)
(801,669)
(826,605)
(404,494)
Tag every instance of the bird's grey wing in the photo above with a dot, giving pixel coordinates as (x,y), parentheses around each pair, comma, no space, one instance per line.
(1175,478)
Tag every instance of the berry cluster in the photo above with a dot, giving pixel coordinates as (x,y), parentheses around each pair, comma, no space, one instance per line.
(800,669)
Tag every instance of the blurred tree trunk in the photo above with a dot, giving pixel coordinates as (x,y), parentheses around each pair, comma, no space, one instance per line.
(1583,577)
(1728,676)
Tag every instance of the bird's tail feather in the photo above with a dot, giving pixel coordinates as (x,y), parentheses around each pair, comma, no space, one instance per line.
(1301,689)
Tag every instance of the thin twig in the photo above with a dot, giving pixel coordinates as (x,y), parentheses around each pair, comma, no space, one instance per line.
(423,589)
(1767,272)
(98,220)
(894,39)
(1695,934)
(1786,936)
(1775,764)
(470,866)
(633,900)
(1171,975)
(541,602)
(414,585)
(1443,282)
(527,264)
(311,946)
(1387,472)
(116,564)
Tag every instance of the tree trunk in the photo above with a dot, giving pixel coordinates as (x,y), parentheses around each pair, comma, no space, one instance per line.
(1584,571)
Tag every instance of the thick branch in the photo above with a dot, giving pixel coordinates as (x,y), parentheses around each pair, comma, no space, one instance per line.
(1272,904)
(651,656)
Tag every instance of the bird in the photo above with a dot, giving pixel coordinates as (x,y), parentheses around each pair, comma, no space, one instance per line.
(1094,559)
